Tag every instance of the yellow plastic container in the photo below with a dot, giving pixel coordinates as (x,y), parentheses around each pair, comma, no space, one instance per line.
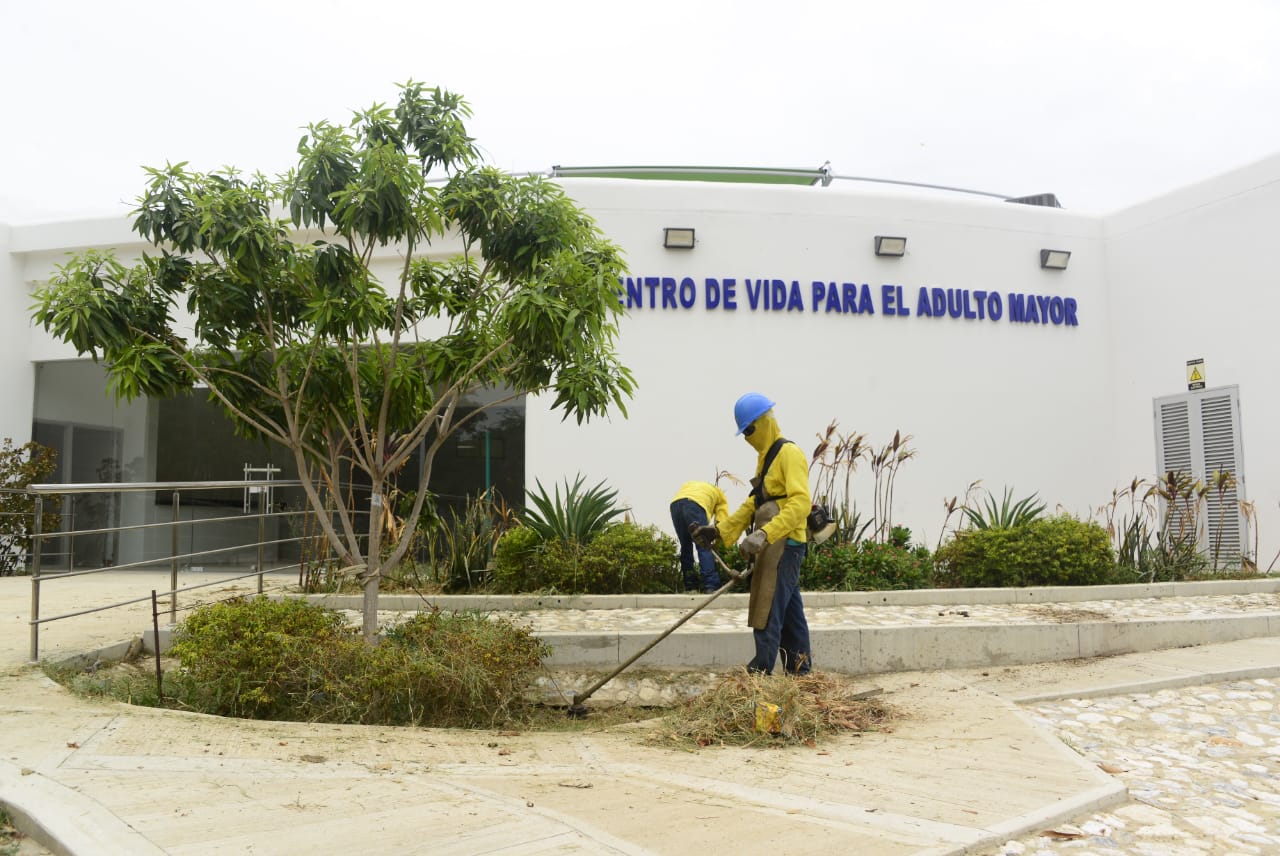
(767,718)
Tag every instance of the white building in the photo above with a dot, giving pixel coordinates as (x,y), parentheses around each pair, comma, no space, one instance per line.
(1001,370)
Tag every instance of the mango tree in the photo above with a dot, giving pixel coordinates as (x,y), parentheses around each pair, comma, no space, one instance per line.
(298,341)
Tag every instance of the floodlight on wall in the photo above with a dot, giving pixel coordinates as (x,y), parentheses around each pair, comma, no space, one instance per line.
(677,239)
(1054,259)
(888,246)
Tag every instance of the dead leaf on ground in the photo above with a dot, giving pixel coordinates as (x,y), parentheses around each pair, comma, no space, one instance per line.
(313,759)
(575,784)
(1112,768)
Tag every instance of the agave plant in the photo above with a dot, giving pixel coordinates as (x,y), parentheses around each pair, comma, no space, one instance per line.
(577,517)
(1007,514)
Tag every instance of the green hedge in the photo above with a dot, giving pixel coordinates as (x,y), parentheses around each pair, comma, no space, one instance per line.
(263,659)
(623,559)
(1048,551)
(866,566)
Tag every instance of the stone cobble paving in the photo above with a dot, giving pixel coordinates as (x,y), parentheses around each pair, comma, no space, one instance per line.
(716,617)
(1202,765)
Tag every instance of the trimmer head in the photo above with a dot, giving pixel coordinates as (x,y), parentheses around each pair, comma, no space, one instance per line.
(577,710)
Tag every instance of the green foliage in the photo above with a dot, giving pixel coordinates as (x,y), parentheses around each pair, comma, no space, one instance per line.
(303,345)
(626,558)
(1005,515)
(290,660)
(577,517)
(11,840)
(1151,546)
(1162,558)
(623,559)
(1047,551)
(456,551)
(240,654)
(867,566)
(21,467)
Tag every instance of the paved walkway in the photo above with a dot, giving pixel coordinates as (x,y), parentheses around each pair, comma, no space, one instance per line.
(908,615)
(982,760)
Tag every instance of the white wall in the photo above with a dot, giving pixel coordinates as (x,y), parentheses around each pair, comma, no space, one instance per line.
(1193,275)
(1007,403)
(17,380)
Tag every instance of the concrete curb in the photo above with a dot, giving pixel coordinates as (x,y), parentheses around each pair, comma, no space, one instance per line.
(873,650)
(78,824)
(913,597)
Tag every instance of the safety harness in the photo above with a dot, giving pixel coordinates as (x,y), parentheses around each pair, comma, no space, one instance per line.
(757,487)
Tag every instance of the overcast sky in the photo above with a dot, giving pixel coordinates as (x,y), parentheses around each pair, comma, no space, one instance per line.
(1103,102)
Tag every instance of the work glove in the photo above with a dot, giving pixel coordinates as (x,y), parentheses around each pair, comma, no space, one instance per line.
(705,536)
(753,545)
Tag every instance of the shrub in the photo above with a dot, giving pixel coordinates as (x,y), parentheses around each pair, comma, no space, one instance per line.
(21,467)
(578,517)
(1048,551)
(514,557)
(457,550)
(292,660)
(242,657)
(867,566)
(454,668)
(1005,515)
(632,559)
(624,558)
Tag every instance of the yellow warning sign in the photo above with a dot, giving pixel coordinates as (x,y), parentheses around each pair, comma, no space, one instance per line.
(1195,374)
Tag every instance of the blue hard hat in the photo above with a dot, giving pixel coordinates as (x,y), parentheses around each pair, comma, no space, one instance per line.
(749,408)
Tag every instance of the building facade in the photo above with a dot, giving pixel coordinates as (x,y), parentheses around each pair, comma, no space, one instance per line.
(1068,382)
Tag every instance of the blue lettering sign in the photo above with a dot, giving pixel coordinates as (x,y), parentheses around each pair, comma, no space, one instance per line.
(1017,307)
(713,293)
(688,293)
(794,300)
(844,298)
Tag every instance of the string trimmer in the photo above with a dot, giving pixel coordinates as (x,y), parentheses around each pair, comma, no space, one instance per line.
(578,709)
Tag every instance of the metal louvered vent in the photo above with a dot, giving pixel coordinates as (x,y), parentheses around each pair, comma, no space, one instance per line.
(1199,434)
(1175,437)
(1217,430)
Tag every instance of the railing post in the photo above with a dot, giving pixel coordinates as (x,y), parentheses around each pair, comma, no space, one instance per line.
(37,532)
(173,561)
(262,535)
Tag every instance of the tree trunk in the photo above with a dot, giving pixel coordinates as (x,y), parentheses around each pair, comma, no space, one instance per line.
(373,567)
(370,623)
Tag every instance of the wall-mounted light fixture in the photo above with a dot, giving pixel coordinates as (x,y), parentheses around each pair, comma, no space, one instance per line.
(887,246)
(677,239)
(1054,259)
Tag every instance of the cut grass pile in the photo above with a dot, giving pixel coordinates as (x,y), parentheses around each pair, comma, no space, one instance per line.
(737,712)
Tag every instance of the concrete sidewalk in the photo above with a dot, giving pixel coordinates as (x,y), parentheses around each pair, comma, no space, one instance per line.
(963,770)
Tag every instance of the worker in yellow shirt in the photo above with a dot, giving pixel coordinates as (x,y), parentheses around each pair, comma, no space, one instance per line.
(697,504)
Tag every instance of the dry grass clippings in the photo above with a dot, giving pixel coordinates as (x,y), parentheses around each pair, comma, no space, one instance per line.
(740,711)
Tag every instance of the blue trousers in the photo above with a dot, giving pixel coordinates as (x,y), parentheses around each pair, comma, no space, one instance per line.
(787,631)
(684,512)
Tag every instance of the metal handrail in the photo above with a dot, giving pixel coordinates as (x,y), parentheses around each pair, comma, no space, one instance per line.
(39,537)
(139,487)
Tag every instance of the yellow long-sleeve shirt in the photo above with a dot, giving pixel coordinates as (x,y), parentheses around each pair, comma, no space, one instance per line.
(709,498)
